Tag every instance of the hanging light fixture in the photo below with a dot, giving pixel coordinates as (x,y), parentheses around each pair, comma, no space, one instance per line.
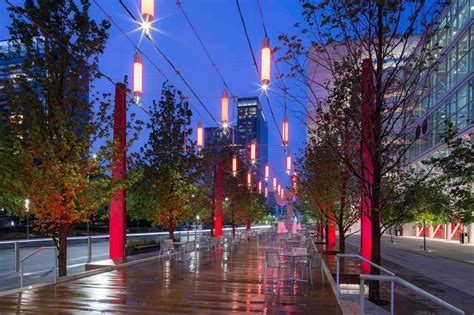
(267,172)
(137,75)
(200,136)
(274,183)
(282,193)
(259,186)
(253,152)
(265,64)
(148,10)
(288,163)
(285,131)
(249,179)
(234,165)
(148,14)
(225,109)
(266,192)
(279,189)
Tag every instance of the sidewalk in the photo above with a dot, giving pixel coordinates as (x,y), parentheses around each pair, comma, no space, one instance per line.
(218,282)
(447,271)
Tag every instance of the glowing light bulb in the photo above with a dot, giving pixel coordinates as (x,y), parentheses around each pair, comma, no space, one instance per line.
(234,165)
(288,163)
(225,109)
(253,152)
(200,136)
(137,75)
(265,63)
(285,131)
(148,11)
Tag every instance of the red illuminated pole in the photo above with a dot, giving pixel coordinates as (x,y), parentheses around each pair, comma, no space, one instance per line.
(367,147)
(331,232)
(218,221)
(118,207)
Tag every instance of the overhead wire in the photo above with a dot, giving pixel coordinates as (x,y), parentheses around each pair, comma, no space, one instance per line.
(158,69)
(21,11)
(256,66)
(170,63)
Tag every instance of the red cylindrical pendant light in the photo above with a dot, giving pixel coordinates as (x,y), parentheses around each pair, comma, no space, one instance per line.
(148,10)
(265,64)
(137,75)
(288,163)
(267,172)
(249,179)
(266,192)
(200,136)
(234,165)
(274,183)
(253,152)
(294,181)
(279,189)
(225,109)
(285,131)
(259,186)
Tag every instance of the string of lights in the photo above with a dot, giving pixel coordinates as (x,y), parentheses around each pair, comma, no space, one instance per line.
(108,78)
(142,53)
(165,57)
(256,67)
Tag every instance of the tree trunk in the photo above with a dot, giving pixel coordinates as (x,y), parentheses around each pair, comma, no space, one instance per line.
(171,233)
(342,238)
(62,254)
(326,235)
(424,235)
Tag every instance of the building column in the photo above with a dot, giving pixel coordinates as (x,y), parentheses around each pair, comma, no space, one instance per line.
(118,207)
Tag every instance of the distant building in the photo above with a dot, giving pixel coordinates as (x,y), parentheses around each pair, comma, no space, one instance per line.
(215,137)
(252,126)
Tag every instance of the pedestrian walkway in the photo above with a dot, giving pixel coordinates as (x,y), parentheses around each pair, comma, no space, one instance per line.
(218,282)
(445,271)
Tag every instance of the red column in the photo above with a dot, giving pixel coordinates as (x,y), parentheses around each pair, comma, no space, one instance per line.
(218,221)
(367,147)
(331,232)
(118,210)
(248,225)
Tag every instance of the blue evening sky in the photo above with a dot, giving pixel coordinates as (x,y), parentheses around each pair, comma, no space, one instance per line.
(219,25)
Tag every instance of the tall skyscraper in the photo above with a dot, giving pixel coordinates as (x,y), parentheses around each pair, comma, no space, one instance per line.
(252,126)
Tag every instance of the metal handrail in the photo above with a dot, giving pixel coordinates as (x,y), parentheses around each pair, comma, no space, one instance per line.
(338,256)
(55,271)
(406,284)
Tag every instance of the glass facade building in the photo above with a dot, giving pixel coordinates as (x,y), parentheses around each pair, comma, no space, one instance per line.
(252,126)
(449,87)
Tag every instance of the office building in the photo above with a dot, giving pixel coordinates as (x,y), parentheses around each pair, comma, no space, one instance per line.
(252,126)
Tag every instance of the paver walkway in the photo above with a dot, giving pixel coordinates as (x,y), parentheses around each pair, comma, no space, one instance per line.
(219,282)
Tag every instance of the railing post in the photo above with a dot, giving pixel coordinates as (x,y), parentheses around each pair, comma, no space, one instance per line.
(17,256)
(21,276)
(337,277)
(392,297)
(89,249)
(55,265)
(361,295)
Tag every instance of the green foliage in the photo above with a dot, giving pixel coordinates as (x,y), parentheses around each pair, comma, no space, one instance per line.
(171,169)
(457,173)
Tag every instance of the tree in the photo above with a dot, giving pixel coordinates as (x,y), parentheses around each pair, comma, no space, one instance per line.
(328,188)
(172,169)
(457,173)
(385,33)
(52,120)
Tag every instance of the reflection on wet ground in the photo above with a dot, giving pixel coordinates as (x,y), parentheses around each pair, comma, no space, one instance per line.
(218,282)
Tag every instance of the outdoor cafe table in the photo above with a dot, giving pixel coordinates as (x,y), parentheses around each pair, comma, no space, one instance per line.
(295,257)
